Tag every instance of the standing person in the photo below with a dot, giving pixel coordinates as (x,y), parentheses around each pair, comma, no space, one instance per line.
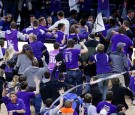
(61,18)
(70,56)
(49,21)
(24,59)
(26,96)
(103,68)
(14,105)
(103,6)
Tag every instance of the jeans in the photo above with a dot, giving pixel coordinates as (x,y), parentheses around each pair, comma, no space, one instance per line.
(37,102)
(103,85)
(74,77)
(87,87)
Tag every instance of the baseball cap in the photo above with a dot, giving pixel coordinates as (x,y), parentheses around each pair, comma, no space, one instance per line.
(120,45)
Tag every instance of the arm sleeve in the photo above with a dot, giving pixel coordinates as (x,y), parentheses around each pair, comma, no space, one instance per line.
(21,36)
(18,61)
(54,25)
(23,105)
(92,111)
(6,100)
(125,61)
(31,94)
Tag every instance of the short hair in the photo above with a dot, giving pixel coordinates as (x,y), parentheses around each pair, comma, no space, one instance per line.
(48,102)
(100,48)
(60,13)
(83,22)
(115,81)
(35,23)
(68,104)
(112,22)
(126,23)
(70,43)
(60,26)
(130,11)
(47,75)
(40,20)
(61,76)
(56,45)
(12,93)
(122,30)
(23,85)
(72,29)
(22,78)
(92,36)
(73,12)
(32,36)
(119,107)
(2,43)
(13,25)
(87,98)
(35,63)
(109,96)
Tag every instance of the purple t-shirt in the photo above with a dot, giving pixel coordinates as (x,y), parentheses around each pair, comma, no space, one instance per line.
(121,38)
(60,36)
(38,47)
(132,84)
(102,61)
(14,106)
(52,60)
(107,106)
(11,37)
(70,57)
(103,5)
(44,28)
(26,96)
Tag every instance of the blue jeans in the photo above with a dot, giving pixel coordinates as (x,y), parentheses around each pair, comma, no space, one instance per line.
(87,87)
(103,85)
(75,78)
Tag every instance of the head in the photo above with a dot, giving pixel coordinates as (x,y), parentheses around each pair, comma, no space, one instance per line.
(56,46)
(13,25)
(68,104)
(35,23)
(8,17)
(13,96)
(73,29)
(49,20)
(9,53)
(115,81)
(73,13)
(105,20)
(70,43)
(116,13)
(61,27)
(88,98)
(100,48)
(92,36)
(32,18)
(48,102)
(35,63)
(60,15)
(126,23)
(122,30)
(121,108)
(47,75)
(32,37)
(91,19)
(83,22)
(22,78)
(42,21)
(24,85)
(16,78)
(112,22)
(27,50)
(131,14)
(61,77)
(2,43)
(109,96)
(120,46)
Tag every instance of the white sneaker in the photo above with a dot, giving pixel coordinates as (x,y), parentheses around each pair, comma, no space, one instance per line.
(133,102)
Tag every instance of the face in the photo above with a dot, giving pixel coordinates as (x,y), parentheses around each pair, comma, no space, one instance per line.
(49,20)
(13,97)
(117,13)
(63,29)
(131,15)
(32,19)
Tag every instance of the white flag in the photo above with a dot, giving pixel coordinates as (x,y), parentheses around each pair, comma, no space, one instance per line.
(99,24)
(1,54)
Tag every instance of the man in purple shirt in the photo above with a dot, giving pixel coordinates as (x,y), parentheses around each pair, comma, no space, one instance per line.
(14,105)
(121,38)
(70,56)
(110,108)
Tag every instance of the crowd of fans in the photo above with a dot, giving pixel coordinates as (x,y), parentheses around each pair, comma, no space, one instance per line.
(34,75)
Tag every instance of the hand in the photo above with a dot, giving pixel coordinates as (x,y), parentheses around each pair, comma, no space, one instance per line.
(61,91)
(81,110)
(58,63)
(81,43)
(36,80)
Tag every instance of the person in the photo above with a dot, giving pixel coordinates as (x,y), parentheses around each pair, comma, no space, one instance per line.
(132,79)
(39,49)
(24,59)
(117,38)
(107,105)
(119,93)
(103,68)
(89,109)
(14,105)
(26,96)
(83,29)
(49,21)
(12,36)
(61,18)
(53,53)
(120,110)
(119,62)
(70,56)
(2,47)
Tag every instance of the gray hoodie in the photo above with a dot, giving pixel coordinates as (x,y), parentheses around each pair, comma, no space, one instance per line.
(31,72)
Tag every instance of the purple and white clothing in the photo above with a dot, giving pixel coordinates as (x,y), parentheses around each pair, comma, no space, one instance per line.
(44,28)
(12,37)
(70,57)
(52,60)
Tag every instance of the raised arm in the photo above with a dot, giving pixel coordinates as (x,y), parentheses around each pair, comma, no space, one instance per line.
(37,81)
(85,49)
